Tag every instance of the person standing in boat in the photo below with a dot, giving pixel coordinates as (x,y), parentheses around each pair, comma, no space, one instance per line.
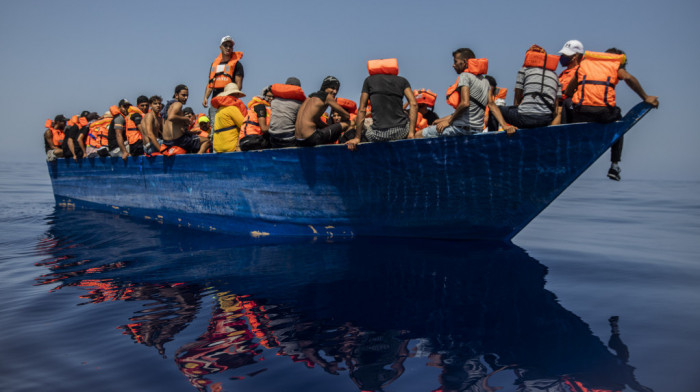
(229,118)
(225,69)
(537,94)
(386,90)
(594,101)
(176,124)
(310,130)
(469,97)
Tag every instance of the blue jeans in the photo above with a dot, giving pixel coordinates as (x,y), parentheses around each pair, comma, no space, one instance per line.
(449,130)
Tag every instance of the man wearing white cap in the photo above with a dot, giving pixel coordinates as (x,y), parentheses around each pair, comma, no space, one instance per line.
(225,69)
(571,54)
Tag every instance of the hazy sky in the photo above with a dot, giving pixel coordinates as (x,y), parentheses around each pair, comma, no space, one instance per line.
(62,57)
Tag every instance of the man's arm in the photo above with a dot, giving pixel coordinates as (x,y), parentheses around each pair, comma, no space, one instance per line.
(175,113)
(496,112)
(344,115)
(118,131)
(518,98)
(463,105)
(148,124)
(412,112)
(637,87)
(81,143)
(352,143)
(207,92)
(48,137)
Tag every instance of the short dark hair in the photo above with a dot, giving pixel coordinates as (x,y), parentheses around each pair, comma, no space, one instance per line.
(465,53)
(155,98)
(491,79)
(615,51)
(141,99)
(179,88)
(84,113)
(59,118)
(188,110)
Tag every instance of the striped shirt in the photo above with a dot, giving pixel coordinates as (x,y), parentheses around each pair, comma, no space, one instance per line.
(540,90)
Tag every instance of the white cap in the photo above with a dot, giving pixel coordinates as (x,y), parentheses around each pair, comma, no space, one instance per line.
(571,48)
(226,38)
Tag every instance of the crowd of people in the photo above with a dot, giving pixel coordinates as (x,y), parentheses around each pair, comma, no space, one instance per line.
(389,109)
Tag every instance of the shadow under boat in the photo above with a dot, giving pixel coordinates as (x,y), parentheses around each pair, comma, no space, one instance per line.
(360,307)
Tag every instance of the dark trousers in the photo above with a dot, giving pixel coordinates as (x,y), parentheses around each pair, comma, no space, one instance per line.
(326,135)
(600,114)
(512,117)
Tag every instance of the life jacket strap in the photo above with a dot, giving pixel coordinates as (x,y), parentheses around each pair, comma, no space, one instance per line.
(225,129)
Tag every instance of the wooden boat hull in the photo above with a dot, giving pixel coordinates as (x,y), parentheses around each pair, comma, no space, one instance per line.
(486,186)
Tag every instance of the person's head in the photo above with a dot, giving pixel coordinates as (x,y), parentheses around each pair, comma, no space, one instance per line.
(84,113)
(335,116)
(181,93)
(292,81)
(331,85)
(189,113)
(226,45)
(492,83)
(460,58)
(124,106)
(59,122)
(266,94)
(232,90)
(142,103)
(92,116)
(204,123)
(571,53)
(156,103)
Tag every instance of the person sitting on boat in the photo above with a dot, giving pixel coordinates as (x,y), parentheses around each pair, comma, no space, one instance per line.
(153,125)
(176,124)
(225,69)
(283,112)
(570,57)
(310,130)
(229,118)
(537,94)
(594,101)
(386,90)
(96,141)
(468,96)
(255,134)
(76,134)
(53,137)
(142,104)
(115,137)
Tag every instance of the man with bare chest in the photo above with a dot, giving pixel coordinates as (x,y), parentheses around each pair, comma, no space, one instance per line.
(153,125)
(310,130)
(176,124)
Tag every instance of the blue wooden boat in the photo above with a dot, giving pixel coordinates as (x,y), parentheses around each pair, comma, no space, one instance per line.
(486,186)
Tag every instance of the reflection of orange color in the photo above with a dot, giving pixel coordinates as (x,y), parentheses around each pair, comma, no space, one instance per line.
(257,319)
(577,386)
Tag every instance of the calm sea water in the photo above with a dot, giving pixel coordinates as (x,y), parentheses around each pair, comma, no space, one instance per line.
(96,302)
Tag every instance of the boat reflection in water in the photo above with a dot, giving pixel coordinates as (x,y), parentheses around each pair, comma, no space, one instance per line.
(361,309)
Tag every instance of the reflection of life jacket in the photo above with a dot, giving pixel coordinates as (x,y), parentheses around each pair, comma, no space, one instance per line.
(476,67)
(133,119)
(597,78)
(57,135)
(577,386)
(564,79)
(383,67)
(425,97)
(287,91)
(97,134)
(251,123)
(535,59)
(219,80)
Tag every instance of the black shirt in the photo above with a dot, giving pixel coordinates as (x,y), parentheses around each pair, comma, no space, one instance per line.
(237,71)
(386,96)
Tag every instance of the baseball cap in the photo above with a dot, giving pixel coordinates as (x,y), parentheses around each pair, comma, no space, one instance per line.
(571,48)
(292,81)
(124,102)
(225,39)
(204,119)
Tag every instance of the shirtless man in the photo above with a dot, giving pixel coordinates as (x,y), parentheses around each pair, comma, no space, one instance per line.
(176,125)
(153,125)
(310,130)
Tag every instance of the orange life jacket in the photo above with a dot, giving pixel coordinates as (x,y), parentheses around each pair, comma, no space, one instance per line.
(57,135)
(97,134)
(196,129)
(288,91)
(476,67)
(500,93)
(564,79)
(383,67)
(596,77)
(347,104)
(426,97)
(79,121)
(251,122)
(219,80)
(114,110)
(421,122)
(537,59)
(229,100)
(133,134)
